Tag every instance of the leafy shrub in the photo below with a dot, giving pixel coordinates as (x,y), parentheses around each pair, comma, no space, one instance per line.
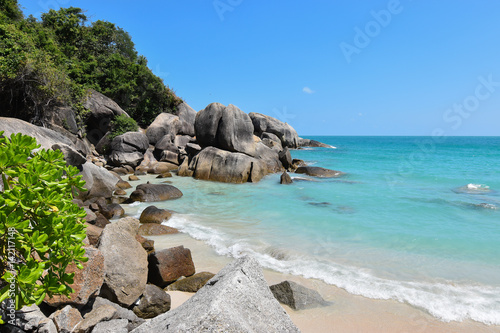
(122,124)
(41,229)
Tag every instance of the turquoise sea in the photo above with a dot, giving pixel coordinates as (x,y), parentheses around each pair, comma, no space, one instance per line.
(415,219)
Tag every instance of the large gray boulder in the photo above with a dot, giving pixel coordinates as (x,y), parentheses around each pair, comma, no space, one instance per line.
(187,116)
(207,123)
(45,137)
(125,262)
(226,128)
(102,110)
(235,132)
(296,296)
(119,158)
(164,123)
(270,158)
(237,299)
(285,132)
(130,142)
(155,192)
(99,181)
(71,156)
(224,166)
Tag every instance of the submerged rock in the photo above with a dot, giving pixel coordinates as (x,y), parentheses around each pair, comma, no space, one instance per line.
(318,172)
(285,178)
(473,189)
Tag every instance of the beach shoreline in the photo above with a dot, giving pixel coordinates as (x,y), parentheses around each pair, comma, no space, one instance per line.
(348,313)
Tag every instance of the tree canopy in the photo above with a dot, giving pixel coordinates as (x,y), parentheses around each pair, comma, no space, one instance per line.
(57,59)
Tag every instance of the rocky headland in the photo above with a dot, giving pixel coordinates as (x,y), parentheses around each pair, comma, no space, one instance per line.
(123,284)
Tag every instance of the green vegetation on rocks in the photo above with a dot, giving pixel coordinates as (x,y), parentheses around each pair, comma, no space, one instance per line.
(122,124)
(41,229)
(56,60)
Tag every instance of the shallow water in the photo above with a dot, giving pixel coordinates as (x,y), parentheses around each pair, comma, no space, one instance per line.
(413,220)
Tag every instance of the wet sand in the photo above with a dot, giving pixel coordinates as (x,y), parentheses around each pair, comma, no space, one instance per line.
(348,313)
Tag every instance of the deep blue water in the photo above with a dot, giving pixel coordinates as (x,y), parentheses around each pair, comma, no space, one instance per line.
(413,220)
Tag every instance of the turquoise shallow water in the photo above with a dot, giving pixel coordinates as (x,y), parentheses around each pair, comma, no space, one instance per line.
(413,220)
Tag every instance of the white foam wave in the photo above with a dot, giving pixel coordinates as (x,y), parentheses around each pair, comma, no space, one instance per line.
(446,300)
(477,187)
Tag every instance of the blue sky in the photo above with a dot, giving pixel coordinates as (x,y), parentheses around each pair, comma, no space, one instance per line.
(327,67)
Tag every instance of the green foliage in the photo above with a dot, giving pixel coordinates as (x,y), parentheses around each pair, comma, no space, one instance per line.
(9,10)
(41,229)
(122,124)
(56,60)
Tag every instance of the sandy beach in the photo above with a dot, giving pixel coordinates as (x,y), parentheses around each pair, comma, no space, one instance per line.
(348,313)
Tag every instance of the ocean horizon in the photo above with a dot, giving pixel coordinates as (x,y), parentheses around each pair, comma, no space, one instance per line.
(414,219)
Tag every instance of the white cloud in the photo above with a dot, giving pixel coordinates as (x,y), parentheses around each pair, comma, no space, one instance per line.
(308,90)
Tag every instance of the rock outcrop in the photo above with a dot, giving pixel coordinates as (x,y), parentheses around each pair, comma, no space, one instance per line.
(286,133)
(237,299)
(128,149)
(102,110)
(187,116)
(312,143)
(164,124)
(45,137)
(227,128)
(99,181)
